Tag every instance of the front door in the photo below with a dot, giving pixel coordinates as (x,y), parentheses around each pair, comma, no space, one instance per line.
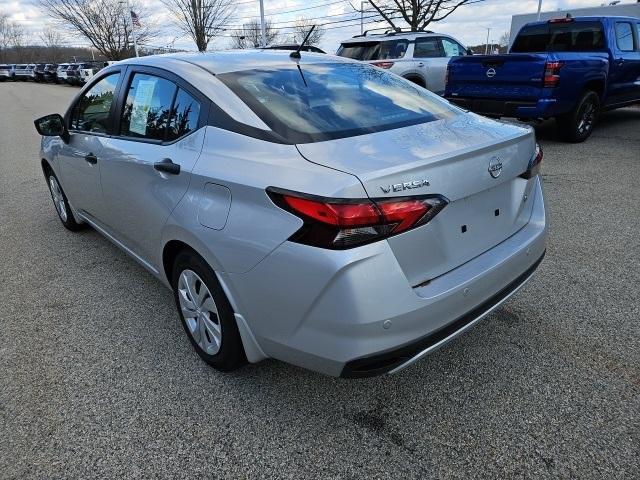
(89,125)
(146,166)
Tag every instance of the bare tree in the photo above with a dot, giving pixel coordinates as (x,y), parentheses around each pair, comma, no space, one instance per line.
(202,20)
(52,39)
(417,13)
(105,23)
(302,28)
(11,35)
(250,36)
(504,39)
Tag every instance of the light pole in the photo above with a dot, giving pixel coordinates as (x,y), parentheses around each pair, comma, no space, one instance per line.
(133,32)
(539,8)
(263,30)
(486,47)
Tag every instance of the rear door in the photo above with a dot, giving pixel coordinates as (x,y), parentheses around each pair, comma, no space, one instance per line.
(146,164)
(624,71)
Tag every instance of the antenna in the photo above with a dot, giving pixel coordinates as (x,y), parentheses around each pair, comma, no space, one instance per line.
(296,54)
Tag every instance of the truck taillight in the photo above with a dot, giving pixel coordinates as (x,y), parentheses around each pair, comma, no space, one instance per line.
(552,74)
(533,168)
(339,224)
(385,65)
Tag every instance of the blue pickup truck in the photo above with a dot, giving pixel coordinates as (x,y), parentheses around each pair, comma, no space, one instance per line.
(569,69)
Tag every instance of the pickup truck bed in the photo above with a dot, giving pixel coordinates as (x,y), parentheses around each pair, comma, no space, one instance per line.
(563,69)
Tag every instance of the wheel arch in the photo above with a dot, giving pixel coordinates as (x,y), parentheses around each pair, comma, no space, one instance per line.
(170,251)
(416,78)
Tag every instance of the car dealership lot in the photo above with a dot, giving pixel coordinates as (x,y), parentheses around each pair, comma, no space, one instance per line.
(99,380)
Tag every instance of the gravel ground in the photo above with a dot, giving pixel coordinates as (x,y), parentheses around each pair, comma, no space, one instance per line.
(98,380)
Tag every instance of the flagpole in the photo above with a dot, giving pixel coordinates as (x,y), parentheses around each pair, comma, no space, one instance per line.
(133,32)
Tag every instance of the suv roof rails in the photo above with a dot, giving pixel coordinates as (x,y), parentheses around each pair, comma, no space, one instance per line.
(397,31)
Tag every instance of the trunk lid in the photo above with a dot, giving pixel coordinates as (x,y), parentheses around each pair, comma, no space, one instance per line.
(454,157)
(510,76)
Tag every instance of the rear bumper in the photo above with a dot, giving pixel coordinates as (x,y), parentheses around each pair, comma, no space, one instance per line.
(547,107)
(353,313)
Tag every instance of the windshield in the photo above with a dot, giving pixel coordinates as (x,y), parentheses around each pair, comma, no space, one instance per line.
(333,100)
(560,37)
(391,49)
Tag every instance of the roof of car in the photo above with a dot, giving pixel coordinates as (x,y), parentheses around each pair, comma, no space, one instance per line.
(233,60)
(372,37)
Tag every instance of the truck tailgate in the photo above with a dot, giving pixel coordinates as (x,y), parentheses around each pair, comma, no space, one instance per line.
(512,76)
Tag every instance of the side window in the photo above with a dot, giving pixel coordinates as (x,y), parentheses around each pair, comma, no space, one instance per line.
(427,48)
(184,117)
(91,113)
(148,107)
(624,36)
(452,49)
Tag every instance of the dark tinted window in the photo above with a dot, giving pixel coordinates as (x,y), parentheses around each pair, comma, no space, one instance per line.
(427,48)
(184,118)
(560,37)
(91,113)
(333,100)
(386,50)
(624,36)
(146,111)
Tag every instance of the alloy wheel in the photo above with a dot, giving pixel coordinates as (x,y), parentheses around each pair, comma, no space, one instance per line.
(587,118)
(58,198)
(199,311)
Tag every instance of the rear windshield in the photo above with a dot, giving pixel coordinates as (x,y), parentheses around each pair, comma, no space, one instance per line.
(327,101)
(560,37)
(391,49)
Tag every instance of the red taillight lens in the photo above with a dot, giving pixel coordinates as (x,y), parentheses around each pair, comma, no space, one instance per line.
(384,65)
(552,74)
(534,164)
(342,223)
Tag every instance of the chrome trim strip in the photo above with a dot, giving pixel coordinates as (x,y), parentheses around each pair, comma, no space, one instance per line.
(439,344)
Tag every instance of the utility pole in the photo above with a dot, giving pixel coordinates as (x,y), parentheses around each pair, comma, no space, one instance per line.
(133,32)
(486,47)
(539,8)
(263,29)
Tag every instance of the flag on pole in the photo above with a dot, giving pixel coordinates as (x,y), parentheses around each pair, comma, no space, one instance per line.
(135,19)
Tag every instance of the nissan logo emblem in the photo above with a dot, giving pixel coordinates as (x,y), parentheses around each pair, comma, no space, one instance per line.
(495,167)
(491,73)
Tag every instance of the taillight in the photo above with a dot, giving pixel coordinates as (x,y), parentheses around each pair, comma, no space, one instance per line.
(345,223)
(534,164)
(384,65)
(552,74)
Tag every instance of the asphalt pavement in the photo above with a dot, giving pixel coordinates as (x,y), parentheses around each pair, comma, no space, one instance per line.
(98,380)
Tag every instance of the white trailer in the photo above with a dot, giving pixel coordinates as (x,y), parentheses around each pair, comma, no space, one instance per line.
(619,10)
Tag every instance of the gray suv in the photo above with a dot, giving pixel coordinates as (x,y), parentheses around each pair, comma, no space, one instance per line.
(319,211)
(421,57)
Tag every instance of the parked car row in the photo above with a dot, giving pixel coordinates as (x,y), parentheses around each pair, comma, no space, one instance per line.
(77,73)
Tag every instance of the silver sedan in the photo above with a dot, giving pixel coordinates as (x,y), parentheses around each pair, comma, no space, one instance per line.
(315,210)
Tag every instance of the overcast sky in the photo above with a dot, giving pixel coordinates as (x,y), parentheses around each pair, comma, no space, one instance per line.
(468,23)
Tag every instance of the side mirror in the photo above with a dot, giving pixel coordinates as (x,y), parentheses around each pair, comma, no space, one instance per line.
(469,51)
(52,126)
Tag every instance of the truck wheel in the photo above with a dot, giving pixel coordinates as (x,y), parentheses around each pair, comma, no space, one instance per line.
(577,125)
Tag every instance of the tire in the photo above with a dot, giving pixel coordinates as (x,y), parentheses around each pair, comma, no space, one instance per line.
(61,204)
(577,125)
(212,330)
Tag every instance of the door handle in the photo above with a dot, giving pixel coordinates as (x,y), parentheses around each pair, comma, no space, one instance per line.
(167,166)
(91,158)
